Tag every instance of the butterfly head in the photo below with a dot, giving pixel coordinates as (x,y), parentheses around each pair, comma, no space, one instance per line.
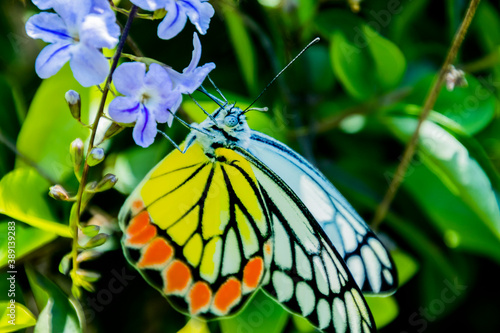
(227,128)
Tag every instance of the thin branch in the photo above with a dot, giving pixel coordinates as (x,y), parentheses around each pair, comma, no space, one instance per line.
(98,116)
(430,100)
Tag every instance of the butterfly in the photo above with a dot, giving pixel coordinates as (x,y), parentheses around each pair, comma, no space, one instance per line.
(234,211)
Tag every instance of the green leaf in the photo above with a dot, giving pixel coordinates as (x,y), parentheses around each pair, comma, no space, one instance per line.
(458,224)
(446,157)
(49,128)
(261,315)
(472,107)
(384,309)
(365,62)
(57,312)
(243,46)
(406,266)
(352,65)
(22,317)
(23,196)
(390,63)
(27,239)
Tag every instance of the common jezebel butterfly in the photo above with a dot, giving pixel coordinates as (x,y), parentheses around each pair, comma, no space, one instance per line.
(236,211)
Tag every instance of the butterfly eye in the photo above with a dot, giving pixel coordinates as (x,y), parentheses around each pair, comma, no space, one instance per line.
(230,121)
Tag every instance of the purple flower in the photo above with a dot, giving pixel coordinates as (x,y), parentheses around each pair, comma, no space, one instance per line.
(192,76)
(151,96)
(199,12)
(76,33)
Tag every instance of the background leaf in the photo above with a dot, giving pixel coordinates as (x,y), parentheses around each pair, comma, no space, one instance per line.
(25,185)
(27,238)
(57,312)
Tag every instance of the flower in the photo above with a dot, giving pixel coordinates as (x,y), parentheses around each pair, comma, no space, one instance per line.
(199,12)
(151,97)
(147,98)
(192,76)
(76,33)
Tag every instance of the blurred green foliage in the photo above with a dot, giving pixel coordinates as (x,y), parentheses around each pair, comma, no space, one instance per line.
(349,105)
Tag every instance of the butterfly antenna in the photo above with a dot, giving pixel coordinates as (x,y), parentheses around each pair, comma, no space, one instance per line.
(314,41)
(217,89)
(204,111)
(218,101)
(171,141)
(264,109)
(189,126)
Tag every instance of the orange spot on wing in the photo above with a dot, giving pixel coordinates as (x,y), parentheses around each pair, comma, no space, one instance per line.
(252,272)
(267,248)
(199,297)
(143,236)
(137,205)
(177,278)
(158,252)
(228,295)
(138,223)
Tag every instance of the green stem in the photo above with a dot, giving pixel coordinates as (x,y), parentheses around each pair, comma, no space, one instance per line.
(74,223)
(430,100)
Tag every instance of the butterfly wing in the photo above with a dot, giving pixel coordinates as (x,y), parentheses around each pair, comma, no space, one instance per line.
(198,230)
(306,274)
(365,256)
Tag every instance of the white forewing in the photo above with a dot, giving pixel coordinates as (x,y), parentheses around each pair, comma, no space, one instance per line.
(306,271)
(371,265)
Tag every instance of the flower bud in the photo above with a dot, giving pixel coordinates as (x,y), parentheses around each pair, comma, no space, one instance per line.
(96,241)
(76,152)
(159,13)
(107,182)
(96,156)
(65,264)
(75,290)
(88,276)
(113,129)
(91,230)
(74,103)
(59,193)
(88,255)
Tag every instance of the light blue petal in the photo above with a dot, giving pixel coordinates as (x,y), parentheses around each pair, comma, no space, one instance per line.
(192,80)
(150,4)
(102,9)
(45,4)
(196,55)
(51,59)
(124,109)
(174,21)
(157,77)
(73,12)
(145,128)
(172,103)
(128,78)
(192,76)
(49,27)
(89,66)
(94,32)
(199,13)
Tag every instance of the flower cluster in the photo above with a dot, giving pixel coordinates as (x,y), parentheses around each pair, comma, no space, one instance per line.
(199,12)
(155,95)
(76,32)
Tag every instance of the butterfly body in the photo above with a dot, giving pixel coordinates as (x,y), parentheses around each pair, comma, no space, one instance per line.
(209,226)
